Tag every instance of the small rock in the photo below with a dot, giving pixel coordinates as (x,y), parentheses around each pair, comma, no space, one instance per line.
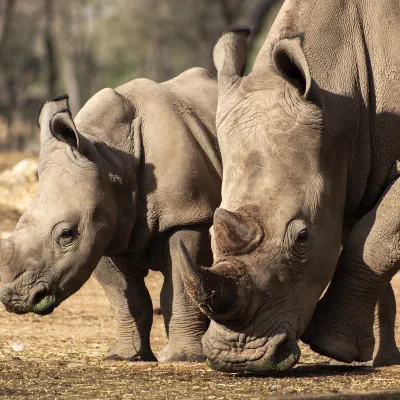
(26,170)
(17,346)
(4,235)
(73,365)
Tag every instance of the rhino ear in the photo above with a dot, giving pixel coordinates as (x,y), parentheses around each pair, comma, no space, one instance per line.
(62,128)
(230,53)
(290,62)
(55,122)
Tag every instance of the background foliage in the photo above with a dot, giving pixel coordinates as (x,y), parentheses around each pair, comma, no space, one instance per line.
(50,47)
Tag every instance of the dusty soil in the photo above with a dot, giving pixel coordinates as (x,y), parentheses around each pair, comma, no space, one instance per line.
(60,357)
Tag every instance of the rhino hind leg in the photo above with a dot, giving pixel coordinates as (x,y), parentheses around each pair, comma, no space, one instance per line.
(354,321)
(132,307)
(184,322)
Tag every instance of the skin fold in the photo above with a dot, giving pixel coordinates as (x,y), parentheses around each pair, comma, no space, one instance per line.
(137,170)
(309,144)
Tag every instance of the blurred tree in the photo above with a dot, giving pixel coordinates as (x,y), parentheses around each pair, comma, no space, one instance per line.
(19,63)
(52,70)
(5,20)
(49,47)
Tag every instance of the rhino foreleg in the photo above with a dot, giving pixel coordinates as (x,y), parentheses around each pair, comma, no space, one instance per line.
(385,350)
(185,324)
(354,321)
(132,306)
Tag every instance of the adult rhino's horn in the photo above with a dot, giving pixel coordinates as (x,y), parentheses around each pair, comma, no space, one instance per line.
(235,235)
(212,291)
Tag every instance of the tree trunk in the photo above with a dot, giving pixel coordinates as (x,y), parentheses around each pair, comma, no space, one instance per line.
(260,11)
(52,71)
(5,20)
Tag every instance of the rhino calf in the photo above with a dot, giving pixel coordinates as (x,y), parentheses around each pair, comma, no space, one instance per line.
(135,172)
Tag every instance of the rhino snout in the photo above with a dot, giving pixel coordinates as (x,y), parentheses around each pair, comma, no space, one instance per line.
(260,356)
(38,300)
(11,302)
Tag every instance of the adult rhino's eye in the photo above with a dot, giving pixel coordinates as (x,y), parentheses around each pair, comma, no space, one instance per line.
(302,242)
(302,237)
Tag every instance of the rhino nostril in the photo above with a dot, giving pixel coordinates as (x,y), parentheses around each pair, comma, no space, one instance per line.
(38,296)
(283,351)
(286,355)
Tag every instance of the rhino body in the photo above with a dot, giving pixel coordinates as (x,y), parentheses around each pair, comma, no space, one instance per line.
(310,141)
(137,170)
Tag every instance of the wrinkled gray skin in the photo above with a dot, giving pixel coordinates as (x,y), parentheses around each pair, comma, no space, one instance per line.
(309,143)
(136,171)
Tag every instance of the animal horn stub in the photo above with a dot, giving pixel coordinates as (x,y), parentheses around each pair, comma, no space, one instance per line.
(234,234)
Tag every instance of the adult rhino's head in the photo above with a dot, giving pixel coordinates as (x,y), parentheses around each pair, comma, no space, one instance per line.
(276,236)
(71,221)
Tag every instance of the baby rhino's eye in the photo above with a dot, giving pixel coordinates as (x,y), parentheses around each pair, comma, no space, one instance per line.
(66,233)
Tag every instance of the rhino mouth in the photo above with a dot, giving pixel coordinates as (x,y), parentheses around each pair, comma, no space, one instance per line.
(251,355)
(44,303)
(40,301)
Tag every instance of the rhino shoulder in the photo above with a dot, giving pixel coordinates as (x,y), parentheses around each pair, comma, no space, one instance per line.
(105,115)
(193,75)
(196,86)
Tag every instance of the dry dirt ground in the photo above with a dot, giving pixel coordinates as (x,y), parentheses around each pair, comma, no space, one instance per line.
(60,356)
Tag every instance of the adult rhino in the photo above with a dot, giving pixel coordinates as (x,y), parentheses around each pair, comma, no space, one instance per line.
(309,141)
(137,170)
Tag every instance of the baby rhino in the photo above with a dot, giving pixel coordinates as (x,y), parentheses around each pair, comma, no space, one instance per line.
(134,173)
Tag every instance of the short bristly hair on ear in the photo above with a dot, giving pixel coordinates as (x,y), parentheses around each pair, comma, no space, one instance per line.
(291,64)
(230,54)
(49,107)
(56,123)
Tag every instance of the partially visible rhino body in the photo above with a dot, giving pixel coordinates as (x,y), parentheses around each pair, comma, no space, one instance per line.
(136,171)
(310,143)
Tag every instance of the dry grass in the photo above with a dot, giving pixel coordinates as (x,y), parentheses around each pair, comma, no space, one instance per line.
(62,359)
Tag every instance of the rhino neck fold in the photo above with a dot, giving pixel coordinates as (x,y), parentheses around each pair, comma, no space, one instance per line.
(126,191)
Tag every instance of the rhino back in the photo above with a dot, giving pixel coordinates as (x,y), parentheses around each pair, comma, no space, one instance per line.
(354,58)
(180,173)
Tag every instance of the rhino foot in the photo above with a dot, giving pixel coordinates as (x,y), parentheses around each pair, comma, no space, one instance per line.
(338,349)
(191,354)
(117,354)
(389,357)
(337,340)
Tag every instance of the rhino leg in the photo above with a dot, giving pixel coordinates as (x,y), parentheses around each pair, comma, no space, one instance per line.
(343,323)
(184,323)
(385,350)
(132,306)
